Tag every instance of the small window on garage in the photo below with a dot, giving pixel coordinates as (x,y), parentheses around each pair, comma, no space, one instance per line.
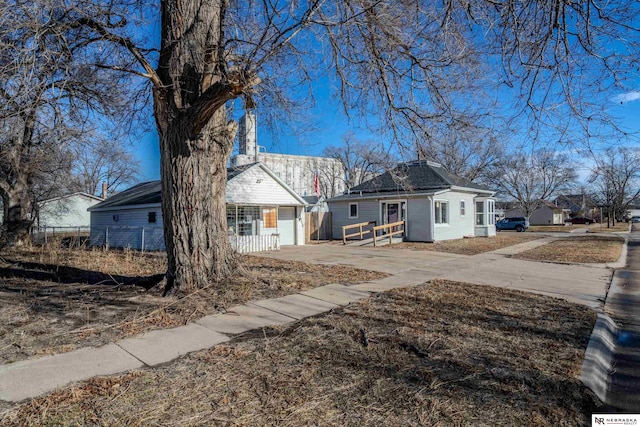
(353,210)
(462,207)
(151,218)
(270,217)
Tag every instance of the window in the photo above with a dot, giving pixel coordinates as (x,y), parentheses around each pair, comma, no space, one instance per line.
(270,217)
(242,220)
(151,219)
(353,210)
(479,213)
(442,212)
(491,211)
(116,218)
(462,207)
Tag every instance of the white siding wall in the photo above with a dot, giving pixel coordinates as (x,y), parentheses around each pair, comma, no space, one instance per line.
(67,212)
(256,187)
(127,231)
(458,226)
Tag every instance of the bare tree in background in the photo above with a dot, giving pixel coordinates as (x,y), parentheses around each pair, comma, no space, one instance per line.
(47,96)
(464,149)
(407,63)
(530,179)
(361,160)
(615,181)
(103,161)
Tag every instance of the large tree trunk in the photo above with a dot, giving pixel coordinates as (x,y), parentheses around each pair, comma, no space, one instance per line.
(18,212)
(195,141)
(194,177)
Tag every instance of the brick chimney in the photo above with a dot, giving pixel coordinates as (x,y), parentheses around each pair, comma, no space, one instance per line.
(104,190)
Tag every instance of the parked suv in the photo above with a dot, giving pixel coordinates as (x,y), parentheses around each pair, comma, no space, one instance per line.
(518,223)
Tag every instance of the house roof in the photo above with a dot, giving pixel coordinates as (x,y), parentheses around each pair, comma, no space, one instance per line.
(412,177)
(67,196)
(148,193)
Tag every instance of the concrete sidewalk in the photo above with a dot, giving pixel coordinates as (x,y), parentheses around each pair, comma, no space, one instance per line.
(33,377)
(30,378)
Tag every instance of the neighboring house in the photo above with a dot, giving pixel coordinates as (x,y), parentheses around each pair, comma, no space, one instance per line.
(258,203)
(546,214)
(577,205)
(66,211)
(435,204)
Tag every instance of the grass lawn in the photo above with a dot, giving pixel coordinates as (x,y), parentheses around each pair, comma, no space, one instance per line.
(53,301)
(582,249)
(469,246)
(444,354)
(554,229)
(602,228)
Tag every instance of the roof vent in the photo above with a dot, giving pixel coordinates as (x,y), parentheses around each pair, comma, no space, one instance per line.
(421,162)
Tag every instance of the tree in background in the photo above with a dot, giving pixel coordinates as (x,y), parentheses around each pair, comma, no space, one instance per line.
(403,64)
(531,179)
(360,160)
(464,149)
(616,181)
(103,161)
(48,93)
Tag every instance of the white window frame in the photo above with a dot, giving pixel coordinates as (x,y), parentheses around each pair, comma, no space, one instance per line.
(463,208)
(357,210)
(481,214)
(491,212)
(438,217)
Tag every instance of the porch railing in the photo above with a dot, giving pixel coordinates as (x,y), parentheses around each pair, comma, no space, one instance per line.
(360,232)
(255,243)
(389,231)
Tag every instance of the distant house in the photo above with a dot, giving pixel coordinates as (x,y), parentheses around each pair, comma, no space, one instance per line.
(435,204)
(546,214)
(66,211)
(259,203)
(577,205)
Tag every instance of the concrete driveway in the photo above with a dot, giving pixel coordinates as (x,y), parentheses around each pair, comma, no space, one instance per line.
(583,284)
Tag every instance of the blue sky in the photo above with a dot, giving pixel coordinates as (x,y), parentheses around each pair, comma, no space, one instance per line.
(332,124)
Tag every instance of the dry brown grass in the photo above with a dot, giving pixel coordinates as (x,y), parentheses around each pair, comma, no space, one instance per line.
(554,229)
(469,246)
(602,228)
(44,311)
(445,354)
(577,249)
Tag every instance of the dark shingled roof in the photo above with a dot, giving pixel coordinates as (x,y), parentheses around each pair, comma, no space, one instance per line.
(150,192)
(412,177)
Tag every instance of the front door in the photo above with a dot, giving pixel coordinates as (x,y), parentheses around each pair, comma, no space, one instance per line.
(393,212)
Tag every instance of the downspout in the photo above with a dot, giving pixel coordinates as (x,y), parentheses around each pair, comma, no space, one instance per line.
(432,212)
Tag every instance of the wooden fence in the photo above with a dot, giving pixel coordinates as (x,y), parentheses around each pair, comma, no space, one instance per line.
(317,226)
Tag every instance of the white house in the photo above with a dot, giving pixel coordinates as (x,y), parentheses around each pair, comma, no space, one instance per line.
(66,211)
(259,203)
(435,204)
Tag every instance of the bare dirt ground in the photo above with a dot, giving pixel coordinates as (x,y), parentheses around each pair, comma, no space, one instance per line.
(469,246)
(54,300)
(443,354)
(577,249)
